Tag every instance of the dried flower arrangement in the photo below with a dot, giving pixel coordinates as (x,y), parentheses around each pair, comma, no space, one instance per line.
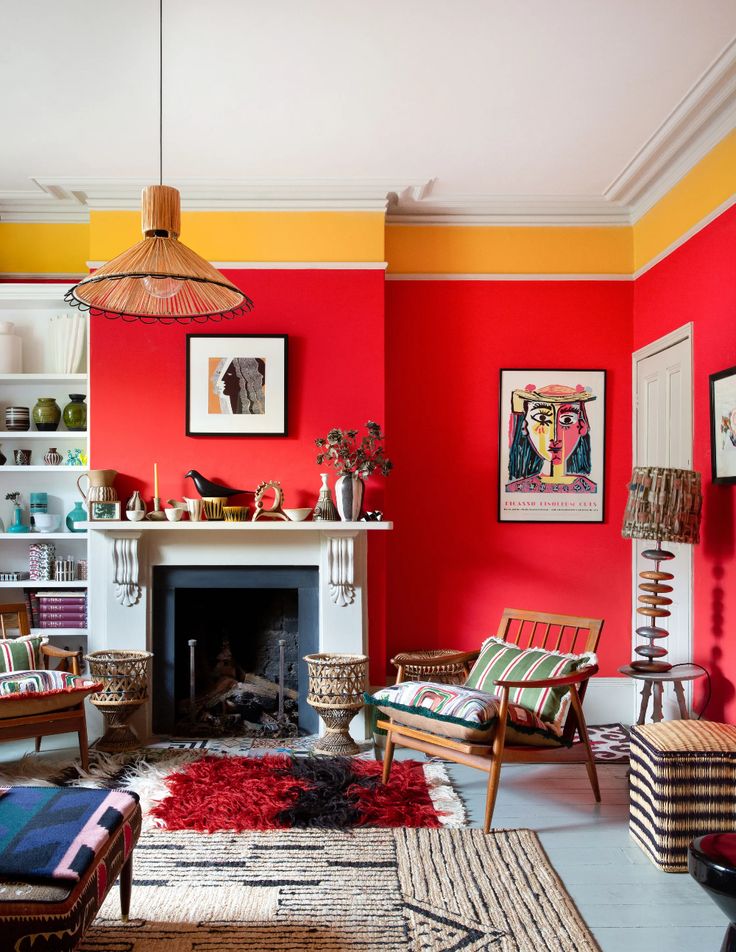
(343,450)
(14,498)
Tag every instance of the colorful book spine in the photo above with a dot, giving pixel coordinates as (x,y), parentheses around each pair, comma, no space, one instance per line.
(63,624)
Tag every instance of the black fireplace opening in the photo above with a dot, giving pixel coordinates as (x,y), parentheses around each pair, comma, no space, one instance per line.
(228,644)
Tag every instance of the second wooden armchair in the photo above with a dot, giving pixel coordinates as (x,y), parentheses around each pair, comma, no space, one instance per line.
(483,729)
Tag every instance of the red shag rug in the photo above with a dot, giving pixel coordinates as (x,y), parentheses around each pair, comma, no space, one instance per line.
(278,792)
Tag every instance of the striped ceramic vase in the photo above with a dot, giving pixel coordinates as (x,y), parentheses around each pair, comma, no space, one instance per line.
(349,496)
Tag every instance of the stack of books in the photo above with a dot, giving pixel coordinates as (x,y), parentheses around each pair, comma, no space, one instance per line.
(58,609)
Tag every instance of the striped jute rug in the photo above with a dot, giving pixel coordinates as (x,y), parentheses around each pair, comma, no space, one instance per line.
(369,890)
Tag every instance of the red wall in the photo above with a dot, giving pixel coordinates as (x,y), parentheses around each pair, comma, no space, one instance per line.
(335,323)
(452,567)
(698,283)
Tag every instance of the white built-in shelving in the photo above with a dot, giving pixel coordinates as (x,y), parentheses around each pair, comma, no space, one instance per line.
(30,306)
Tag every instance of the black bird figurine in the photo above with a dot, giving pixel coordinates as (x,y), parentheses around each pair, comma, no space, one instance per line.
(206,488)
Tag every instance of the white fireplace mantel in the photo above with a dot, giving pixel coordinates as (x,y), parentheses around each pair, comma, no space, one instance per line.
(123,556)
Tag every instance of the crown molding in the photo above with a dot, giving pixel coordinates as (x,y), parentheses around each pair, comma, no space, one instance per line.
(38,292)
(704,115)
(284,265)
(420,207)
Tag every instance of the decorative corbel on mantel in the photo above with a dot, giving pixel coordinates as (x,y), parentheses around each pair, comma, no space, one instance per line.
(126,569)
(341,568)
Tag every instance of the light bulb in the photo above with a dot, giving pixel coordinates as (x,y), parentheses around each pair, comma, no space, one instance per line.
(162,288)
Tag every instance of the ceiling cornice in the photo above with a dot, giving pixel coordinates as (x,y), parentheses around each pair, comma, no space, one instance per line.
(699,121)
(704,115)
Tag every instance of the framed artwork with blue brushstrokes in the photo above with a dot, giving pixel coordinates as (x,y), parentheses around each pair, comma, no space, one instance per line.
(236,385)
(551,445)
(723,426)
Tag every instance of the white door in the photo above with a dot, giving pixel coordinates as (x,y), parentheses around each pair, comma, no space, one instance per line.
(663,436)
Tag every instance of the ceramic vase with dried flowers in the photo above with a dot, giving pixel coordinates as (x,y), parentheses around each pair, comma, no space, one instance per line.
(354,459)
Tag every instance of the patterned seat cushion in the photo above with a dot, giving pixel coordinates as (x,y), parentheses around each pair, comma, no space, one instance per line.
(20,654)
(455,711)
(29,692)
(499,660)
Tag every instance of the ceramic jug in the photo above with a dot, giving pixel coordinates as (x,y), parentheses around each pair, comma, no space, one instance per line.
(99,486)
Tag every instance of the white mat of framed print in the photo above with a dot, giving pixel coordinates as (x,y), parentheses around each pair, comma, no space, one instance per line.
(236,384)
(551,445)
(723,426)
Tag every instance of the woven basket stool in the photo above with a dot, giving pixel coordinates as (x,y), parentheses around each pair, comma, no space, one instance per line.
(683,785)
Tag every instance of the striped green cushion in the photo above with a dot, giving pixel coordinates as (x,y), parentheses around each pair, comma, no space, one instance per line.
(20,654)
(499,660)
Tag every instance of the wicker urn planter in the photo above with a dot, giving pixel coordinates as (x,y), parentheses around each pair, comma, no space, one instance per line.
(124,676)
(336,686)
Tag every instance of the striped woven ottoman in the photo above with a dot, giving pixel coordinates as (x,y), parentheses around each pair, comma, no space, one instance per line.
(682,785)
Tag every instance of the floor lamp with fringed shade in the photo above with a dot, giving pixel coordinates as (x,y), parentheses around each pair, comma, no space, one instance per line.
(663,506)
(160,280)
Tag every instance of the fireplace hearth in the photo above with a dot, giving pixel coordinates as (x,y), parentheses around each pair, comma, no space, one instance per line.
(229,642)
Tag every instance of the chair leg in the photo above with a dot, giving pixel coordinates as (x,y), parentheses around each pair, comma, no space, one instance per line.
(583,731)
(494,774)
(38,744)
(388,756)
(83,746)
(126,887)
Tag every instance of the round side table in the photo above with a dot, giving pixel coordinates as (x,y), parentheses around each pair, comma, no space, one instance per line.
(654,682)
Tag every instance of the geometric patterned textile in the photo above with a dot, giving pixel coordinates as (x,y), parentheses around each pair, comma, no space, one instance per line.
(55,833)
(37,682)
(20,654)
(372,890)
(501,661)
(455,704)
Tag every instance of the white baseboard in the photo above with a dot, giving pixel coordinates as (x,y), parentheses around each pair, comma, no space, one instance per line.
(610,701)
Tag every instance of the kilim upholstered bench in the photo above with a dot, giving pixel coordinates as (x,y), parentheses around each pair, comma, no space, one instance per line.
(683,785)
(61,850)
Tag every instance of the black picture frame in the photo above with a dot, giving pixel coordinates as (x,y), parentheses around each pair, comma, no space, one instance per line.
(722,394)
(590,508)
(201,349)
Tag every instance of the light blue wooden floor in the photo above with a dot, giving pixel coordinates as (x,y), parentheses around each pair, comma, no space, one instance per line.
(629,905)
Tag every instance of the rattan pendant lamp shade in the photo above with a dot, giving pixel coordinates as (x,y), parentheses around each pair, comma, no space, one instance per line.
(160,280)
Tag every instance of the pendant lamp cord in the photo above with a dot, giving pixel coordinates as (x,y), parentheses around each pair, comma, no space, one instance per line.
(160,92)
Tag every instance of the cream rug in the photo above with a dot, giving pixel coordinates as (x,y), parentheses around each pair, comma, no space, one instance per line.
(364,891)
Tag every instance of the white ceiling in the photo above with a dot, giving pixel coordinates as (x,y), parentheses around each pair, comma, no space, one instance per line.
(529,97)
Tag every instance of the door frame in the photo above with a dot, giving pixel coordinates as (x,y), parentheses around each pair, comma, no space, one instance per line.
(677,336)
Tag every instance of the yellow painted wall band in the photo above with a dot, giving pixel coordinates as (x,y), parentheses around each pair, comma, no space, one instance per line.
(458,249)
(253,236)
(706,187)
(43,248)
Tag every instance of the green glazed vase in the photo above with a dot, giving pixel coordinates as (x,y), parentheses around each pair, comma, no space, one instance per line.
(46,414)
(75,413)
(77,514)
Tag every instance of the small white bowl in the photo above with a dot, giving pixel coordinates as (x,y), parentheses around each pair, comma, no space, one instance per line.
(298,515)
(174,514)
(46,521)
(135,515)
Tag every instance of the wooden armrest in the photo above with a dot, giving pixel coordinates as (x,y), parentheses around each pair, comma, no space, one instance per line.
(437,661)
(51,651)
(576,678)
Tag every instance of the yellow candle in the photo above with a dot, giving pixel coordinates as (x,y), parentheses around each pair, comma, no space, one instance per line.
(155,480)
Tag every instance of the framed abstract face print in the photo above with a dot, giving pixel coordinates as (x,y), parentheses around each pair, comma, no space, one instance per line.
(551,445)
(723,426)
(236,385)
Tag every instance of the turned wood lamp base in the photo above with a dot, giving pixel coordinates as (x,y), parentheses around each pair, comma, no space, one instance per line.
(653,604)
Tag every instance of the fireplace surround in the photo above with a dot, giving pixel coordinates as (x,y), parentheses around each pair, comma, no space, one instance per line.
(123,557)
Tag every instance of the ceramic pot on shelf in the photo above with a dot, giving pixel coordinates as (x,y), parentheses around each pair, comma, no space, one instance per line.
(324,510)
(349,496)
(17,525)
(17,419)
(53,458)
(22,457)
(11,349)
(76,515)
(46,414)
(3,458)
(99,485)
(75,413)
(135,503)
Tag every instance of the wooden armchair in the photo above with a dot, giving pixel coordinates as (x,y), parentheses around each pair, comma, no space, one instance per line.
(527,629)
(34,716)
